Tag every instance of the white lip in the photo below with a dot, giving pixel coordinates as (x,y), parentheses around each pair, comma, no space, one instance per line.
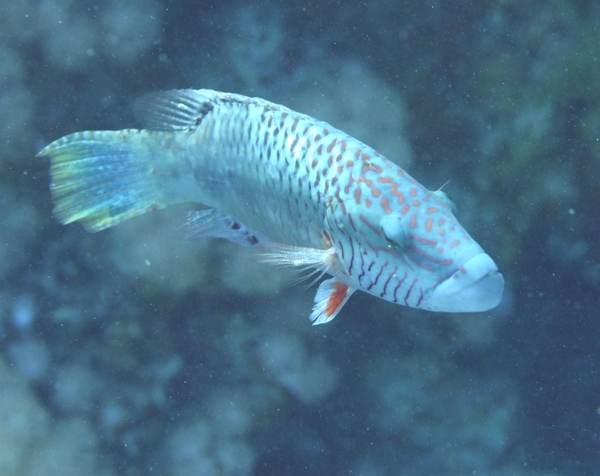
(476,286)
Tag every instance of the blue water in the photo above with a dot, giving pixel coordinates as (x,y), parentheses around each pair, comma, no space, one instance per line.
(133,351)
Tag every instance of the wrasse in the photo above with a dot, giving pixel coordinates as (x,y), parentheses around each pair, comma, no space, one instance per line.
(300,191)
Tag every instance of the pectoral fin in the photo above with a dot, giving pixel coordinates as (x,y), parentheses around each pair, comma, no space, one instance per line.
(332,293)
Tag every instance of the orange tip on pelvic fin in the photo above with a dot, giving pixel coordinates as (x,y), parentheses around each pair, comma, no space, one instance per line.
(329,300)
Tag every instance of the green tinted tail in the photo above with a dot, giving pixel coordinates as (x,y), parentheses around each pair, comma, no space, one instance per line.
(102,178)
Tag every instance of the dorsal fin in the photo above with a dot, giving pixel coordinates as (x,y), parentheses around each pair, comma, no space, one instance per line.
(184,109)
(175,110)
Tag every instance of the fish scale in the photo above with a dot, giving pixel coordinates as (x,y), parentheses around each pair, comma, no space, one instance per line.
(298,190)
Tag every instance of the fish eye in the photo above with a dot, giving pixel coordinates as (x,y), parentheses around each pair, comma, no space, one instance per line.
(445,199)
(392,230)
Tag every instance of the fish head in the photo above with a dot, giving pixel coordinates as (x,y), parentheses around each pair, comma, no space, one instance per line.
(413,251)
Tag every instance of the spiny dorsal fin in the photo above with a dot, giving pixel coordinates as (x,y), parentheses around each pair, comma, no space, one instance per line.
(184,109)
(176,110)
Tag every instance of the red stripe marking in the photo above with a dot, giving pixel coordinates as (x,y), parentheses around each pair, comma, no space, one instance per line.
(405,209)
(432,210)
(455,243)
(413,192)
(427,257)
(398,194)
(371,167)
(350,183)
(413,221)
(369,224)
(368,203)
(384,204)
(342,206)
(384,179)
(357,195)
(429,224)
(422,240)
(424,265)
(376,193)
(387,250)
(331,146)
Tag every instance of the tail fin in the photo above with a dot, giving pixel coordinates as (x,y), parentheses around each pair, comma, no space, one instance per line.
(101,178)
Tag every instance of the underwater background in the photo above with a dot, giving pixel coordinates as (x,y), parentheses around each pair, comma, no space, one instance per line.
(134,352)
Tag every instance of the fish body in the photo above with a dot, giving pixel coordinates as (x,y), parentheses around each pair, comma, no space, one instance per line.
(299,190)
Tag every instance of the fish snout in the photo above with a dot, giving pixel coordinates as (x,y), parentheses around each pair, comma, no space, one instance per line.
(474,287)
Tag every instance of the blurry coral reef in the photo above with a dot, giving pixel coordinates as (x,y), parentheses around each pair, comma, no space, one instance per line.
(134,351)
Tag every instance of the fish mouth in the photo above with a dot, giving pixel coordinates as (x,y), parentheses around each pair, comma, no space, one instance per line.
(476,286)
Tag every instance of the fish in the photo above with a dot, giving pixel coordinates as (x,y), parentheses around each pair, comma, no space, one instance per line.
(296,189)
